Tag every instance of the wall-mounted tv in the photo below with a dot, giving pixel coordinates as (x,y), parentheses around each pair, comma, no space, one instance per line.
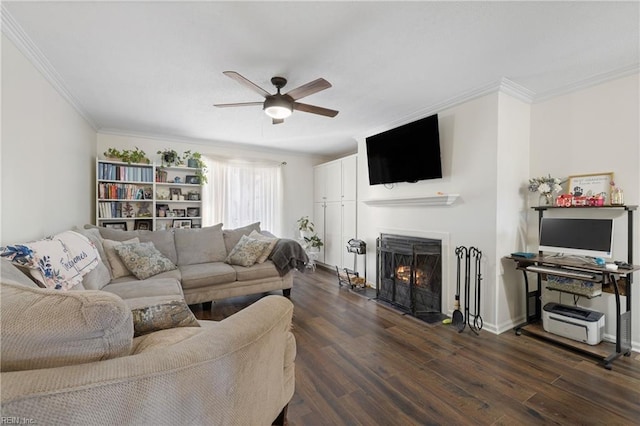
(408,153)
(582,237)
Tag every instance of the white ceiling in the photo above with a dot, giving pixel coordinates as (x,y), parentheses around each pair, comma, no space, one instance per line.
(156,67)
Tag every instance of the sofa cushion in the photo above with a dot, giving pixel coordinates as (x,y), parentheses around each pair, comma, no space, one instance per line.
(267,251)
(205,274)
(163,339)
(153,287)
(232,236)
(200,245)
(162,316)
(256,272)
(247,251)
(118,267)
(44,328)
(10,273)
(162,240)
(144,260)
(100,276)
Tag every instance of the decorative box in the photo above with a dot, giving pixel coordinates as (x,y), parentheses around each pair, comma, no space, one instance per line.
(579,201)
(564,200)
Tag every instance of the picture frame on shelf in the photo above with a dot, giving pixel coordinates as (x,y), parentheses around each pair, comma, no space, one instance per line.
(591,185)
(182,223)
(193,196)
(143,225)
(180,212)
(192,179)
(175,193)
(115,225)
(193,211)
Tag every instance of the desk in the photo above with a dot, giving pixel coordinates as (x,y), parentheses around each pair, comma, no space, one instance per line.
(567,267)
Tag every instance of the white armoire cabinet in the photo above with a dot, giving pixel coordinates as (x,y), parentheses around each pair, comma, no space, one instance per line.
(335,214)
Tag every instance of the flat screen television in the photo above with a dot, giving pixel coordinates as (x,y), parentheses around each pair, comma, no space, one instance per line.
(408,153)
(581,237)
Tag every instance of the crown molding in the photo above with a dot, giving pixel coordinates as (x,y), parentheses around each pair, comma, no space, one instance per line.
(588,82)
(203,142)
(28,48)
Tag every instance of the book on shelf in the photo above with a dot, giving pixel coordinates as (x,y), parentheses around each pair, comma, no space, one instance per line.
(109,171)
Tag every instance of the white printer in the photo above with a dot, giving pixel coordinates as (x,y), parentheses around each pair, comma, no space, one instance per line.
(573,322)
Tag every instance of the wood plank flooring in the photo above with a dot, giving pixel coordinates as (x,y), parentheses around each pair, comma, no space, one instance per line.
(361,363)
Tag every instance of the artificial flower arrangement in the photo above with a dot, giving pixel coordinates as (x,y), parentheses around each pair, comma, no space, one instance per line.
(545,186)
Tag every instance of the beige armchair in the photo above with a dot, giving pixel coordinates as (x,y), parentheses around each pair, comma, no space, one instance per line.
(239,371)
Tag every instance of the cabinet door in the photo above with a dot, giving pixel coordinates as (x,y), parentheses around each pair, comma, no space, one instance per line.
(332,231)
(349,178)
(348,231)
(334,181)
(318,221)
(320,183)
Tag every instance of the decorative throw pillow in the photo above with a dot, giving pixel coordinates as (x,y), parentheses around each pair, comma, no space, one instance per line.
(232,236)
(267,251)
(246,252)
(160,317)
(118,268)
(59,261)
(143,259)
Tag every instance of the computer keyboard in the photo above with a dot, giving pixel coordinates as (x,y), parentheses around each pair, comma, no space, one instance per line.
(561,271)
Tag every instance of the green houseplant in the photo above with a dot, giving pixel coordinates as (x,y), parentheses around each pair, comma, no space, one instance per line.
(170,158)
(314,242)
(194,160)
(128,156)
(305,226)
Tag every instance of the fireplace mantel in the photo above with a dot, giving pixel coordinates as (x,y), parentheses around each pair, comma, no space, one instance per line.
(432,200)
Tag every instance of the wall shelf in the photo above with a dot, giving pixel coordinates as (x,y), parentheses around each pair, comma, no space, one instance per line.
(434,200)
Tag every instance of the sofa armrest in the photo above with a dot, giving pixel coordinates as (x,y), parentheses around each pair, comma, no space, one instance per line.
(236,371)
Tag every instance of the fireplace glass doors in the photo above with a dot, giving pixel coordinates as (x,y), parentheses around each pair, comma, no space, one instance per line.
(410,274)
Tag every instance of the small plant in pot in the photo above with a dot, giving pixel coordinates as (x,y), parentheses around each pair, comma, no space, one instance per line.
(194,160)
(306,227)
(128,156)
(170,158)
(314,242)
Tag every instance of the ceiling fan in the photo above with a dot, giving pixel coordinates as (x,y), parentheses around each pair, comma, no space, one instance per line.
(279,106)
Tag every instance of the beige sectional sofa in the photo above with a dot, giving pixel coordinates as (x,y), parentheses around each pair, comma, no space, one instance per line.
(69,357)
(200,256)
(116,349)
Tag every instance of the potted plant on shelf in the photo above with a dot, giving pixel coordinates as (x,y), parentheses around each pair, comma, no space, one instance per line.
(128,156)
(170,158)
(306,227)
(194,160)
(314,242)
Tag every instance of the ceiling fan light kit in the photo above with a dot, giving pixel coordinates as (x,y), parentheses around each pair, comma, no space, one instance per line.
(279,106)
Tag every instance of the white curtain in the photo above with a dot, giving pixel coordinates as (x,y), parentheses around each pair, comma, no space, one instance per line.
(240,193)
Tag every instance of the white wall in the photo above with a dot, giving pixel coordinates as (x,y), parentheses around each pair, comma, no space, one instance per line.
(468,140)
(594,130)
(47,150)
(514,130)
(297,174)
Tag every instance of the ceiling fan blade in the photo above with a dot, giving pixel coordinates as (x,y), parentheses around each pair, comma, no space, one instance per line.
(278,120)
(242,80)
(309,89)
(315,109)
(239,104)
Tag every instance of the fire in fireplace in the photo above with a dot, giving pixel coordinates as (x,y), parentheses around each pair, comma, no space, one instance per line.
(410,274)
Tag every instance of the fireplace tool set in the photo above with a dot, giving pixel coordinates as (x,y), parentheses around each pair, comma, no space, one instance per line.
(460,320)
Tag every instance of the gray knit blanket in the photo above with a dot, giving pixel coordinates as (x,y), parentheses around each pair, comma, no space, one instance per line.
(288,255)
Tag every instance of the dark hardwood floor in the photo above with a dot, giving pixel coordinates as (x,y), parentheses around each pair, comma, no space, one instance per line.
(360,363)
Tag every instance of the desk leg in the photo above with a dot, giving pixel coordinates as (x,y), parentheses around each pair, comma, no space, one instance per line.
(528,295)
(623,324)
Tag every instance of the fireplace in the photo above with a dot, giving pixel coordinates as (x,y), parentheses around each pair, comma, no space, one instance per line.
(409,273)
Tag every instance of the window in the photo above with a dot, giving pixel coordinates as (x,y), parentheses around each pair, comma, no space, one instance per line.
(240,193)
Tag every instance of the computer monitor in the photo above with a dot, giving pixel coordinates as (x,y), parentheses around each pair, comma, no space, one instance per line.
(581,237)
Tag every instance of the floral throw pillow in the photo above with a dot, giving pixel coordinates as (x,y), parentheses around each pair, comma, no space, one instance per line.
(267,251)
(247,251)
(143,259)
(163,316)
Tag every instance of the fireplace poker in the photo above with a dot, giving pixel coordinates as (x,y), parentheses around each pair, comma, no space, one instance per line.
(457,318)
(477,319)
